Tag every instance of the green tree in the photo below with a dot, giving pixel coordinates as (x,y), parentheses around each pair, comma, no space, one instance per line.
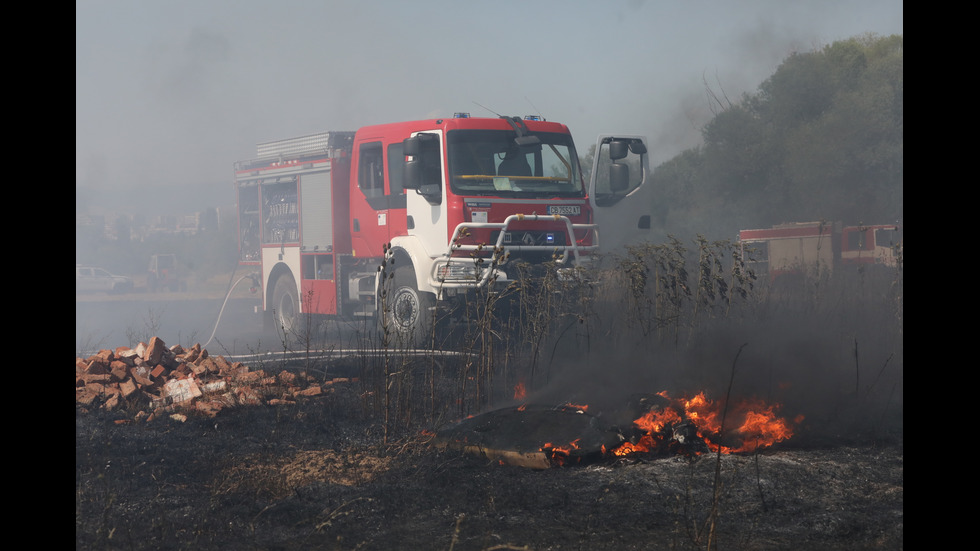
(822,138)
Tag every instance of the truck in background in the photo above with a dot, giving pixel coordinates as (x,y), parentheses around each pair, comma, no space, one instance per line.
(813,248)
(163,273)
(442,204)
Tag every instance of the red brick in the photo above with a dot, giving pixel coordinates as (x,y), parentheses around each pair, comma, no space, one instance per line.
(97,367)
(221,362)
(127,388)
(214,386)
(100,378)
(210,408)
(247,396)
(191,354)
(112,402)
(144,382)
(280,402)
(314,390)
(196,369)
(182,390)
(251,376)
(209,365)
(155,350)
(85,396)
(119,371)
(127,355)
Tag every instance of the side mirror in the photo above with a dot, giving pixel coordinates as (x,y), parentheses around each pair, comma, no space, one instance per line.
(413,145)
(414,172)
(618,150)
(619,177)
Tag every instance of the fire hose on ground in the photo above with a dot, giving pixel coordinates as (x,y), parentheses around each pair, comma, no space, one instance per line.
(255,281)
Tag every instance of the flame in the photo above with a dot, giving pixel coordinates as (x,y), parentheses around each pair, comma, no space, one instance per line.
(520,392)
(749,425)
(559,454)
(652,423)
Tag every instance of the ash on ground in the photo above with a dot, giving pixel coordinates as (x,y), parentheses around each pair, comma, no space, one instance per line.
(318,475)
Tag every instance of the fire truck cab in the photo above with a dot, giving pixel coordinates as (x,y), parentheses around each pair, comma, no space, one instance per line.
(438,207)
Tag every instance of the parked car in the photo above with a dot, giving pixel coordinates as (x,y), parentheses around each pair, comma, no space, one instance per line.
(91,279)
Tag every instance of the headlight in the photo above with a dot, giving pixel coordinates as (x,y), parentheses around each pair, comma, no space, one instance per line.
(457,272)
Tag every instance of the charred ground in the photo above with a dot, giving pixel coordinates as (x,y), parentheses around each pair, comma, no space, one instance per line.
(356,468)
(318,475)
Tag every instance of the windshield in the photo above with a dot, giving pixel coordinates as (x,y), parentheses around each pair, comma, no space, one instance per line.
(489,162)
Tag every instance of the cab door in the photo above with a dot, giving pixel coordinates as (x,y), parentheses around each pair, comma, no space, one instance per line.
(428,203)
(620,192)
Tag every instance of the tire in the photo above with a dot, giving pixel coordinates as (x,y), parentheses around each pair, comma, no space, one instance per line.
(285,307)
(408,316)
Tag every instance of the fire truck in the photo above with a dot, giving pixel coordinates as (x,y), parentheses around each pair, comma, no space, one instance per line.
(398,222)
(813,248)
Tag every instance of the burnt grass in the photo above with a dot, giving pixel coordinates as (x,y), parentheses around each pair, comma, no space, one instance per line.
(324,473)
(318,475)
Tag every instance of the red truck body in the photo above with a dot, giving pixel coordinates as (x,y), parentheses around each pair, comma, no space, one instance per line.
(811,248)
(319,214)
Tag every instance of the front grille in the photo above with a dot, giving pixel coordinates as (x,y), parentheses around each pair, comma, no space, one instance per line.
(530,238)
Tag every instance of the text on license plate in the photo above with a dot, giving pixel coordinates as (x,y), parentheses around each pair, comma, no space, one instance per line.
(564,209)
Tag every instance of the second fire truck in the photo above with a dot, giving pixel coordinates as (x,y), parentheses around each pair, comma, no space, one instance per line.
(814,248)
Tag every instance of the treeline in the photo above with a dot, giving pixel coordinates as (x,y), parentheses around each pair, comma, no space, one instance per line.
(821,139)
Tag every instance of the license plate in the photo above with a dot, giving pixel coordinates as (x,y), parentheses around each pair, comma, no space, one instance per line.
(567,210)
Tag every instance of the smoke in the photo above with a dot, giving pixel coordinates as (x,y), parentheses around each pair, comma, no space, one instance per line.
(169,95)
(834,360)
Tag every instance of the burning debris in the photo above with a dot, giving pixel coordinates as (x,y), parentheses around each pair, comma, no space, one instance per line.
(531,436)
(151,379)
(698,424)
(541,437)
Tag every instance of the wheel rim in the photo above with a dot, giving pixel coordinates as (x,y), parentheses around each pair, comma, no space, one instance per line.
(405,310)
(287,311)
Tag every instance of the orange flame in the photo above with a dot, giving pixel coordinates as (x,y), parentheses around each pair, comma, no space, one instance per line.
(749,425)
(559,454)
(520,392)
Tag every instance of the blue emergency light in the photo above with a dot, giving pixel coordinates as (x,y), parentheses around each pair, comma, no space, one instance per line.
(461,115)
(533,118)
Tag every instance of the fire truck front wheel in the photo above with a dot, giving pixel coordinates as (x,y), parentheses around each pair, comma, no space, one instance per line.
(285,306)
(409,311)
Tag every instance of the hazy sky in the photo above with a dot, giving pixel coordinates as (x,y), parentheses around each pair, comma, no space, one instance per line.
(173,92)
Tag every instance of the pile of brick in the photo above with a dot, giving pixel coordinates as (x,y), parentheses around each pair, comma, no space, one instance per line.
(152,380)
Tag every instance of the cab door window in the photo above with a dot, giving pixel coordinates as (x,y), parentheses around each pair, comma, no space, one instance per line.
(396,175)
(370,173)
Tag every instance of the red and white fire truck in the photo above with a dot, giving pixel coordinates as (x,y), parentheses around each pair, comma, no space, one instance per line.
(812,248)
(320,214)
